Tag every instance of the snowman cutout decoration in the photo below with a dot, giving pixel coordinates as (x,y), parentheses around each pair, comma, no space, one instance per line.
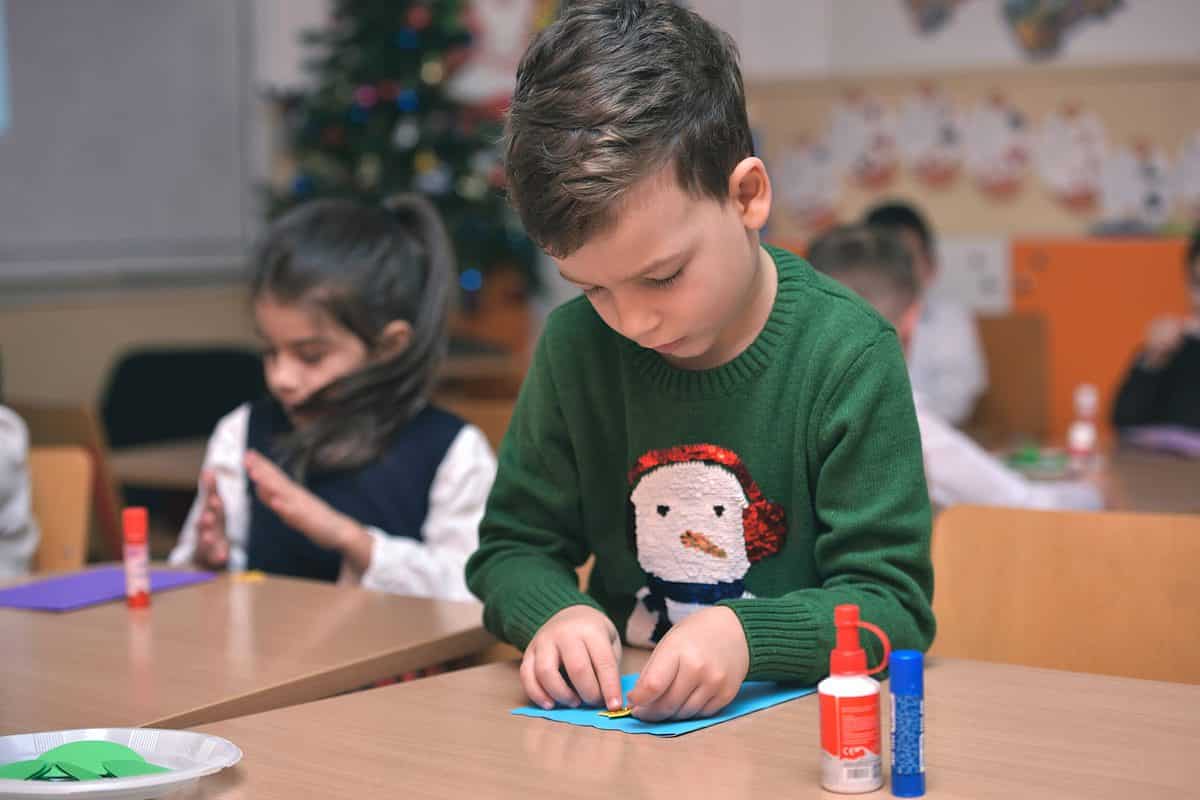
(1186,183)
(1136,187)
(699,523)
(996,148)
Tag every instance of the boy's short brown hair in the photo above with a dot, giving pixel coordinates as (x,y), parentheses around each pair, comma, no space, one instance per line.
(611,93)
(873,262)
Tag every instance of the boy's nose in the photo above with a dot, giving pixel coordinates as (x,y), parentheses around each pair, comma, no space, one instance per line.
(637,323)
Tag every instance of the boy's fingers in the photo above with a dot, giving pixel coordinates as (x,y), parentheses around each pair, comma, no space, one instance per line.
(606,663)
(533,689)
(695,702)
(545,670)
(578,663)
(654,681)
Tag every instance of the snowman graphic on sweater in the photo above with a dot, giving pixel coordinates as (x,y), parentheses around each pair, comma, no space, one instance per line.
(699,521)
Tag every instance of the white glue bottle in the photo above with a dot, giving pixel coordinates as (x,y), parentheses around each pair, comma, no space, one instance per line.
(1081,436)
(851,761)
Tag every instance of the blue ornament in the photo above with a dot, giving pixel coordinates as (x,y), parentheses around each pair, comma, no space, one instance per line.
(407,100)
(302,185)
(358,114)
(407,39)
(471,280)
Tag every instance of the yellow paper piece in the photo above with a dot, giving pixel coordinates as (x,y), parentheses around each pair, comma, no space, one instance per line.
(249,576)
(620,712)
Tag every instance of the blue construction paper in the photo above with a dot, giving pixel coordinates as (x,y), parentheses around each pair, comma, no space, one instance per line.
(89,588)
(754,696)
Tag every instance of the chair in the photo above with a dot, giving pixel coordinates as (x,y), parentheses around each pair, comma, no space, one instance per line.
(77,425)
(1112,593)
(160,394)
(490,415)
(1015,403)
(62,491)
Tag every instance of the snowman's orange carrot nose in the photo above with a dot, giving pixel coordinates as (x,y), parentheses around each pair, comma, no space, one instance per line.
(702,543)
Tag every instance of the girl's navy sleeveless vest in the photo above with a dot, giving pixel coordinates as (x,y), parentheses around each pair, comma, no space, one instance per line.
(391,493)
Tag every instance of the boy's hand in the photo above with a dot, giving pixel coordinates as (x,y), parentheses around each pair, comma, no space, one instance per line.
(300,508)
(212,546)
(695,670)
(582,642)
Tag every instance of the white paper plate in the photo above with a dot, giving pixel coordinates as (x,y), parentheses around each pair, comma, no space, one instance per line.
(188,755)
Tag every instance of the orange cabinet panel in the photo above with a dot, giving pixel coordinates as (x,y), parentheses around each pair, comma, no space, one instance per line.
(1097,296)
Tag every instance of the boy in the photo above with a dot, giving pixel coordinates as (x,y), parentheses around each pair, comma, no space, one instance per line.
(731,435)
(945,359)
(1163,384)
(877,266)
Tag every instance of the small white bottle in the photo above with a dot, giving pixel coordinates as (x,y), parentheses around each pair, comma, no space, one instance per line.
(1081,436)
(851,740)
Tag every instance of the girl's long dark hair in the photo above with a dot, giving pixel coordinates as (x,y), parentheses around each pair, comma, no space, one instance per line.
(366,267)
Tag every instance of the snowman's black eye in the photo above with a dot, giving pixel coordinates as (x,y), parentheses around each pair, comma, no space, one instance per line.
(718,510)
(662,510)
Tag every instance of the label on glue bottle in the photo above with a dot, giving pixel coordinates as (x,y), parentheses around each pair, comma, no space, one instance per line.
(850,735)
(851,759)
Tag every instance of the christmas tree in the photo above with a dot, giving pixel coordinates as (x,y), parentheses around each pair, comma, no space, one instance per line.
(379,119)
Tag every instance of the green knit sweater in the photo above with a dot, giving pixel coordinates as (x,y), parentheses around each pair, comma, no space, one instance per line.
(780,484)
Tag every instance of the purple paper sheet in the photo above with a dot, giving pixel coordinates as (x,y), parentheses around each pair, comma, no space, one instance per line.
(1165,438)
(69,592)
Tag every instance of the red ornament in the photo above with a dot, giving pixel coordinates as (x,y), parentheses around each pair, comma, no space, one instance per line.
(333,136)
(388,91)
(419,17)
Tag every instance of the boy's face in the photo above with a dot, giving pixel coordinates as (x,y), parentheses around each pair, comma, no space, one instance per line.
(683,275)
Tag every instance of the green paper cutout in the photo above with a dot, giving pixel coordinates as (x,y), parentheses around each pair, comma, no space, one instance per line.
(130,769)
(55,773)
(91,755)
(77,772)
(88,761)
(25,770)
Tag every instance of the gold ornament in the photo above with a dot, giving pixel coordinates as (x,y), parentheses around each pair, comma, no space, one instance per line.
(432,72)
(425,161)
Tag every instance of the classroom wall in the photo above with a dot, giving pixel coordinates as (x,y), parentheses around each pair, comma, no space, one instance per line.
(60,350)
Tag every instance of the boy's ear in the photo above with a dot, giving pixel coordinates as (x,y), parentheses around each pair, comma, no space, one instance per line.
(394,339)
(750,191)
(907,323)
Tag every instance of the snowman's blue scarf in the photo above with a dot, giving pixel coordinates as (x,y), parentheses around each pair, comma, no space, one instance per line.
(702,593)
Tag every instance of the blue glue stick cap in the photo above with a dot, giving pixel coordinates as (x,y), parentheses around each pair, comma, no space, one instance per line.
(907,672)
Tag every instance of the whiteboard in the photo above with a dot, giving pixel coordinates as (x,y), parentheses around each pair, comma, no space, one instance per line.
(125,152)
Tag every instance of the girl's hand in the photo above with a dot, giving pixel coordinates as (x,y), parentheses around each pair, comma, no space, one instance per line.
(303,510)
(212,546)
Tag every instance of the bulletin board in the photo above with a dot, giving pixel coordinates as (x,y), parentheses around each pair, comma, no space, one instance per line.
(1151,107)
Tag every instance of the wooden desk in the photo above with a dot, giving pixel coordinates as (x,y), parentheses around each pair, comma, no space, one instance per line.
(169,465)
(217,650)
(1146,481)
(994,731)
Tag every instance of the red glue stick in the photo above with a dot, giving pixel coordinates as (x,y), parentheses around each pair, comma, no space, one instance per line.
(137,558)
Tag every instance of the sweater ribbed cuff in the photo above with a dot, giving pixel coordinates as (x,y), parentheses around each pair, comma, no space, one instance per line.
(782,638)
(532,603)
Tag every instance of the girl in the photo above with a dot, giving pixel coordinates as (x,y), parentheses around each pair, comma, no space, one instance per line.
(346,472)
